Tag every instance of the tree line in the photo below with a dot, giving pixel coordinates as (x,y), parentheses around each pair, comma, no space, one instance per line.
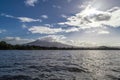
(6,46)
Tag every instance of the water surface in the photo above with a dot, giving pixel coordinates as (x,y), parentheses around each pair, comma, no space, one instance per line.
(60,65)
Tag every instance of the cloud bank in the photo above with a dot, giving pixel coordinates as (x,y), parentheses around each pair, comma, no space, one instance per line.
(44,30)
(49,30)
(93,18)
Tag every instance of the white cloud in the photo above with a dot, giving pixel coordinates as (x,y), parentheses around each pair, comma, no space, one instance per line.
(103,32)
(73,29)
(98,31)
(26,19)
(2,30)
(24,26)
(44,30)
(16,40)
(48,25)
(82,43)
(49,30)
(85,4)
(22,19)
(44,16)
(63,16)
(113,9)
(53,38)
(5,15)
(93,18)
(56,6)
(31,2)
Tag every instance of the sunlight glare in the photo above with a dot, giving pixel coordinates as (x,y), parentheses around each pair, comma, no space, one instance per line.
(90,11)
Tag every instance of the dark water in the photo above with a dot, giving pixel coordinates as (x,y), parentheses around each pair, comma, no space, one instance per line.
(60,65)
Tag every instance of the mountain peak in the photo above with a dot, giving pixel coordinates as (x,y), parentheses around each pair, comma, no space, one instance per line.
(48,44)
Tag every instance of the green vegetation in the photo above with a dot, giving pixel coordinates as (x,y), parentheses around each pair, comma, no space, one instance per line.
(6,46)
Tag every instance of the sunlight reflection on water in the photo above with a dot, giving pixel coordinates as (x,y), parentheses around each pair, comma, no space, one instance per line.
(60,65)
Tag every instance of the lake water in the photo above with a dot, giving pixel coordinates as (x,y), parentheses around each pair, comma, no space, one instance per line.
(60,65)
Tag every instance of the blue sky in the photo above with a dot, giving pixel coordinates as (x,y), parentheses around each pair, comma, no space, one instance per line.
(76,22)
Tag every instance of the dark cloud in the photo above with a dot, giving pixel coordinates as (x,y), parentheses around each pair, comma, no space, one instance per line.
(102,17)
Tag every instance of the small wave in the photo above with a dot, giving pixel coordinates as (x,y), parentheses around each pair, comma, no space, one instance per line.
(113,77)
(6,66)
(116,70)
(23,77)
(17,77)
(58,68)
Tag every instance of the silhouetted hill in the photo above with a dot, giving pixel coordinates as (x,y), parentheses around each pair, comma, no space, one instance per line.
(48,44)
(6,46)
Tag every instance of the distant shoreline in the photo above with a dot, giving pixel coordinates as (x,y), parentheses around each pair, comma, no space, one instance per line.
(6,46)
(63,49)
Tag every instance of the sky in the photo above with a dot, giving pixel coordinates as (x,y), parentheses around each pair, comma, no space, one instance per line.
(74,22)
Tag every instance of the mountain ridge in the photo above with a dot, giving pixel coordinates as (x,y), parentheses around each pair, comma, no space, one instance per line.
(49,44)
(6,46)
